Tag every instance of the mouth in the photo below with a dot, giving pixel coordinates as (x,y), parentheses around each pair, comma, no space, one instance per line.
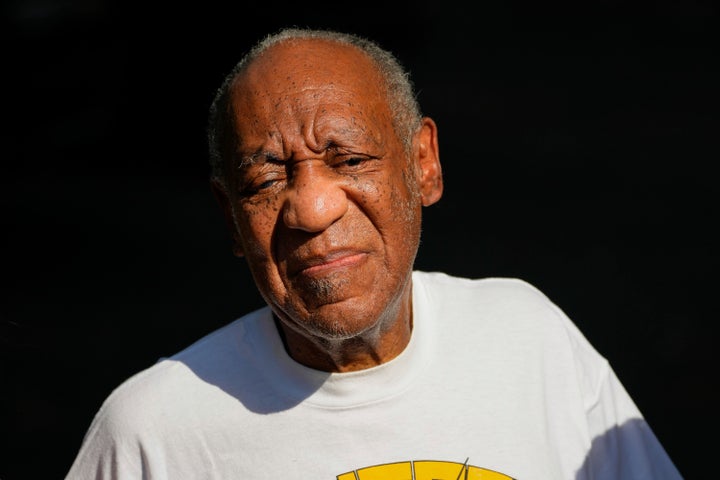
(321,265)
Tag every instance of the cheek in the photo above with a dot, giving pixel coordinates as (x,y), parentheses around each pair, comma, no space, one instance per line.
(368,190)
(257,224)
(404,197)
(392,205)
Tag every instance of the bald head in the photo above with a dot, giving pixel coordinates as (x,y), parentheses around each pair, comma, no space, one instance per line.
(332,53)
(314,80)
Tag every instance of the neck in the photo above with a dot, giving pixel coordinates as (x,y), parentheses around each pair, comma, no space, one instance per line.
(380,344)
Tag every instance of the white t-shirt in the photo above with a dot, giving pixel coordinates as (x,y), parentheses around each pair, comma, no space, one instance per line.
(495,383)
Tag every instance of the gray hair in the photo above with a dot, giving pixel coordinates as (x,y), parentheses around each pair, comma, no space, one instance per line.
(406,114)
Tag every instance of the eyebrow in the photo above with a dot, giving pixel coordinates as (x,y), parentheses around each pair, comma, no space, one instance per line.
(255,158)
(264,156)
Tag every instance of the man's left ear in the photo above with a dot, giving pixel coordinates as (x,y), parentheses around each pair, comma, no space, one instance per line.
(428,158)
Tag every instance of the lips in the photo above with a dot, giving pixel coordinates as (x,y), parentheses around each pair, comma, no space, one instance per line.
(327,262)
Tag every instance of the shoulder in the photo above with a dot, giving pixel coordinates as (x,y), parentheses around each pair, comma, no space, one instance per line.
(179,383)
(440,279)
(483,292)
(512,320)
(507,310)
(170,403)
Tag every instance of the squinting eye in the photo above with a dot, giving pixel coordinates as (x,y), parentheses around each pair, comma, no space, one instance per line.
(352,162)
(265,184)
(258,187)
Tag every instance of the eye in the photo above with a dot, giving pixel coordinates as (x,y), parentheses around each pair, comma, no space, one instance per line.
(261,184)
(260,174)
(266,184)
(353,162)
(347,162)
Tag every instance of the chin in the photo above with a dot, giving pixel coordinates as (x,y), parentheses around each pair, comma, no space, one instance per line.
(351,318)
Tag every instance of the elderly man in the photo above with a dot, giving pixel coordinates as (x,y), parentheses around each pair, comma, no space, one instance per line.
(359,367)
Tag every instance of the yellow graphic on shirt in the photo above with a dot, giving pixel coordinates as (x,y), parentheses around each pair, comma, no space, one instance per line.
(423,470)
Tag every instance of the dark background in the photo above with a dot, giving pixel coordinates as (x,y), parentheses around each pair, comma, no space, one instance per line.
(579,153)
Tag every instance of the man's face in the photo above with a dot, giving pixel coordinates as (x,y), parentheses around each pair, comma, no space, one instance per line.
(324,199)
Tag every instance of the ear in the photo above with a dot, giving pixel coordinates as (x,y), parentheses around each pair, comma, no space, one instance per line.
(221,195)
(428,158)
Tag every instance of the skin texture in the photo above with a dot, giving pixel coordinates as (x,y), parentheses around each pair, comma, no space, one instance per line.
(325,204)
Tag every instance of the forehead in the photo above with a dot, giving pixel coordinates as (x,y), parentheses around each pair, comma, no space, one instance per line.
(309,87)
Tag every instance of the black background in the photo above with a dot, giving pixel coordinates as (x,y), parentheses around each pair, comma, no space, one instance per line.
(578,147)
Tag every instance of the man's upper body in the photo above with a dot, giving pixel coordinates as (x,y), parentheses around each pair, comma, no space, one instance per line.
(496,382)
(360,368)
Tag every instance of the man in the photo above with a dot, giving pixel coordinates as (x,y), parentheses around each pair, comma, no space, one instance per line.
(359,367)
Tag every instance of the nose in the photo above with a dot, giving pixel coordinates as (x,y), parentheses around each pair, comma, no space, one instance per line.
(315,199)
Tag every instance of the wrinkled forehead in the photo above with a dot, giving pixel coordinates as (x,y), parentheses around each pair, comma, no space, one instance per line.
(310,62)
(313,84)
